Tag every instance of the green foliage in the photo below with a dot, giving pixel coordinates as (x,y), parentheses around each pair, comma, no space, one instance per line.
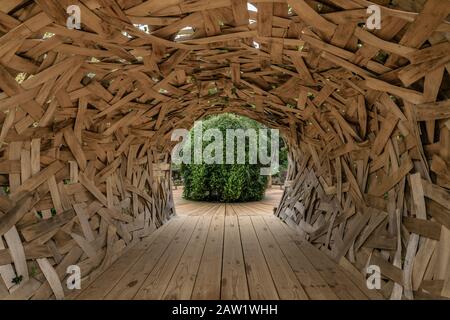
(6,190)
(224,182)
(33,271)
(17,279)
(382,56)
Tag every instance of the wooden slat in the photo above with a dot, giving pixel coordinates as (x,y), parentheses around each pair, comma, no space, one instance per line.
(287,284)
(108,279)
(133,280)
(158,279)
(315,286)
(234,278)
(182,282)
(260,283)
(208,280)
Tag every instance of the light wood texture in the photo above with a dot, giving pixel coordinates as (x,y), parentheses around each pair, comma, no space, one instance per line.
(227,252)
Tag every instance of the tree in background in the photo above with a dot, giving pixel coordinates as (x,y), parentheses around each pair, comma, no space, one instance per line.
(225,182)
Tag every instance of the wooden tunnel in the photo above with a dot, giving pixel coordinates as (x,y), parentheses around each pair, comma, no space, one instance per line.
(87,115)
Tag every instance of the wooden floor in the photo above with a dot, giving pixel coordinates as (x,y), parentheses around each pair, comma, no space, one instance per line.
(225,251)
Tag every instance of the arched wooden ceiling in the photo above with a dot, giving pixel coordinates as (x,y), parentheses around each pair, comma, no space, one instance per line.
(87,116)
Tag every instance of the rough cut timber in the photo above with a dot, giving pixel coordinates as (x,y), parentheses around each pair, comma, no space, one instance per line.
(87,115)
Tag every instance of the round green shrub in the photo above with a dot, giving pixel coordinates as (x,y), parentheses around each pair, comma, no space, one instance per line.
(224,182)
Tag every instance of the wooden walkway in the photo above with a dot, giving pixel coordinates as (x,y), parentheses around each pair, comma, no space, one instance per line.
(225,251)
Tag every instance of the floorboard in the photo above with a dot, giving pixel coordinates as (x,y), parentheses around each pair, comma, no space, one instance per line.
(129,285)
(234,278)
(260,282)
(226,251)
(207,282)
(283,276)
(106,282)
(311,280)
(158,279)
(183,279)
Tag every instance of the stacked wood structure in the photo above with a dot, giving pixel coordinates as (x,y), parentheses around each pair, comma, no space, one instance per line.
(87,115)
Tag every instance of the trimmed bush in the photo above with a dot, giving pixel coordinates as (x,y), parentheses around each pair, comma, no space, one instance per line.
(224,182)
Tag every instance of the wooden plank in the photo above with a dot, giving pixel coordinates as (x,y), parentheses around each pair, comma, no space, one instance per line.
(35,160)
(52,277)
(421,262)
(92,188)
(286,282)
(182,283)
(440,195)
(46,226)
(83,219)
(158,279)
(36,180)
(359,280)
(209,275)
(315,286)
(26,291)
(130,283)
(75,147)
(260,282)
(312,18)
(443,259)
(112,276)
(234,278)
(17,252)
(390,181)
(7,271)
(329,271)
(8,220)
(428,229)
(432,111)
